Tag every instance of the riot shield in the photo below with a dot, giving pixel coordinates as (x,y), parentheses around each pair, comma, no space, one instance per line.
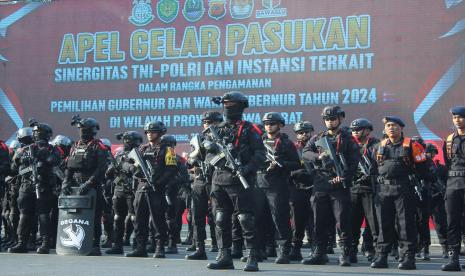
(75,231)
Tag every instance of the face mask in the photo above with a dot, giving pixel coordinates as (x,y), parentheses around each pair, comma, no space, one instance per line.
(234,112)
(86,134)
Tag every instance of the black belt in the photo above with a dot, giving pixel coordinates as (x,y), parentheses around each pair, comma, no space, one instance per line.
(457,173)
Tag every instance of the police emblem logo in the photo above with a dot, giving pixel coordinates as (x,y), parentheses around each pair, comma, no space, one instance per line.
(217,9)
(241,9)
(141,14)
(193,10)
(271,10)
(73,238)
(167,10)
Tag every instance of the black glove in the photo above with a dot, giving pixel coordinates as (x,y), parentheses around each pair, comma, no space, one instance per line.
(244,170)
(85,188)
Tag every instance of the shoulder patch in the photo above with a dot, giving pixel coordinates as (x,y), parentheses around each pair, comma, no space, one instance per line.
(170,157)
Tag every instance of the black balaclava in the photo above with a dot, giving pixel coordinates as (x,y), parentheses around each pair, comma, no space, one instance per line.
(234,112)
(86,134)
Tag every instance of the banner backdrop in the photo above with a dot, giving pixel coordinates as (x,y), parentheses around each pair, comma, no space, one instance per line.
(128,62)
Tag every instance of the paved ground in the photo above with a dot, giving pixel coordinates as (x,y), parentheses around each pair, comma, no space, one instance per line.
(33,264)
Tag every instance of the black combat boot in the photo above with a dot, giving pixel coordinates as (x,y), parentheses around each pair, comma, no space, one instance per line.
(344,258)
(445,250)
(296,254)
(353,255)
(224,260)
(20,247)
(199,254)
(453,264)
(191,248)
(318,257)
(408,263)
(252,264)
(424,254)
(172,248)
(44,248)
(283,257)
(381,261)
(117,248)
(160,250)
(140,250)
(237,250)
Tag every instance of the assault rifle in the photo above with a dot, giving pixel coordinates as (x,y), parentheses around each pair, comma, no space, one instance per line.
(416,185)
(225,152)
(146,169)
(338,160)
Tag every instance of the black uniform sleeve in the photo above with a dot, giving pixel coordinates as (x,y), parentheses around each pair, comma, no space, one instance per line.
(101,165)
(292,161)
(352,157)
(257,150)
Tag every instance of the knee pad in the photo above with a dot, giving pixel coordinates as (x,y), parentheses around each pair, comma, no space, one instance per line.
(247,221)
(116,217)
(220,219)
(133,218)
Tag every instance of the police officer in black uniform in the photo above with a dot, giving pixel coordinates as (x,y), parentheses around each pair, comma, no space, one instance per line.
(85,168)
(150,201)
(24,137)
(301,192)
(273,185)
(123,196)
(107,214)
(34,165)
(4,171)
(364,187)
(331,191)
(201,187)
(436,206)
(229,194)
(454,156)
(401,165)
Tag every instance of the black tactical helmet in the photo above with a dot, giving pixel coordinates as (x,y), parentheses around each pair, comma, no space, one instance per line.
(88,123)
(361,123)
(333,111)
(213,116)
(42,131)
(431,148)
(106,142)
(61,140)
(393,119)
(303,126)
(156,127)
(169,140)
(131,139)
(235,96)
(458,110)
(273,117)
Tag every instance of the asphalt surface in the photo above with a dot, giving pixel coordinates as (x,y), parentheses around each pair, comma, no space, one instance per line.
(175,265)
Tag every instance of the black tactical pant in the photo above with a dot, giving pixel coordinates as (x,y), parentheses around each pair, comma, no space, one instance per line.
(29,206)
(123,204)
(396,209)
(423,214)
(171,215)
(200,210)
(229,200)
(438,212)
(273,212)
(149,204)
(455,201)
(301,215)
(337,204)
(363,207)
